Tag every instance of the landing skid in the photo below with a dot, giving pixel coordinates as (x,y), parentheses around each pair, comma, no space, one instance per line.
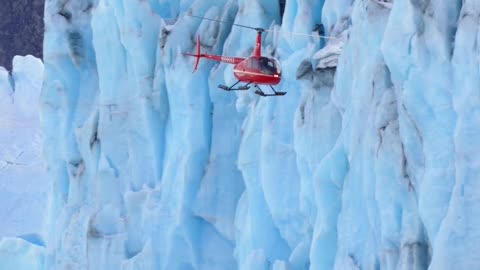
(261,93)
(231,88)
(246,87)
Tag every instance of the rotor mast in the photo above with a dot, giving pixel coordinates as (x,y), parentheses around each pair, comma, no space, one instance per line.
(257,52)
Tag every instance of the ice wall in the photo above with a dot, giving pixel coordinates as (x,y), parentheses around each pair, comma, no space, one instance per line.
(23,176)
(17,253)
(367,163)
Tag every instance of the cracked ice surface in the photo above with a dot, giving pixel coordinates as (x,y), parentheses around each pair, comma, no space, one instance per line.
(369,165)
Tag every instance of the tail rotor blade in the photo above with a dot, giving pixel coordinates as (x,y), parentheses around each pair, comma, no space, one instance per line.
(198,54)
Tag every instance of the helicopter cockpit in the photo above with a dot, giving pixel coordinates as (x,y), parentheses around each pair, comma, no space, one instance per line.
(265,65)
(269,66)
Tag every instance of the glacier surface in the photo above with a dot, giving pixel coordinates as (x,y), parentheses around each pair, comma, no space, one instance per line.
(368,162)
(23,178)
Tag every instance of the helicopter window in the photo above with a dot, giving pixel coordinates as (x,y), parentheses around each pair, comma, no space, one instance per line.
(277,67)
(253,63)
(268,66)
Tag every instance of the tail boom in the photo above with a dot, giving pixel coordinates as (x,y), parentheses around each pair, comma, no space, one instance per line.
(218,58)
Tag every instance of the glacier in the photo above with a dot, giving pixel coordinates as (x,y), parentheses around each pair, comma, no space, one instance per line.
(368,162)
(23,179)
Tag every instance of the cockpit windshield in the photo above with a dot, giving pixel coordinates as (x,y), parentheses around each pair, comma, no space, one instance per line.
(269,66)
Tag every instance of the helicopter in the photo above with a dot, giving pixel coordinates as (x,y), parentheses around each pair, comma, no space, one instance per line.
(254,70)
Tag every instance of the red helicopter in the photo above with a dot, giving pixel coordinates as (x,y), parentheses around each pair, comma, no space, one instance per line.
(255,70)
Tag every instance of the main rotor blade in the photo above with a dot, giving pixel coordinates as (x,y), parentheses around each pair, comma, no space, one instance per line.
(299,34)
(261,29)
(213,20)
